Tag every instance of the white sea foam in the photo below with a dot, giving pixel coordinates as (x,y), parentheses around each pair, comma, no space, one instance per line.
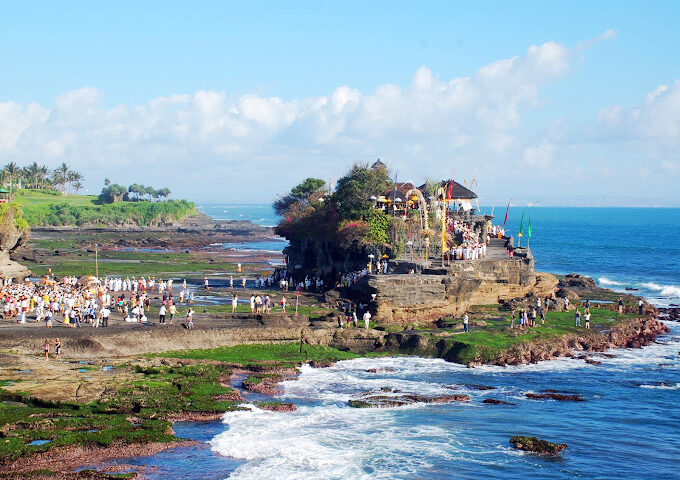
(663,386)
(330,442)
(606,281)
(328,439)
(665,290)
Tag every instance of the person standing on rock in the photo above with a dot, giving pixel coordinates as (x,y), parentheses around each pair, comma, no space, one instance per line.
(367,319)
(620,306)
(578,318)
(47,350)
(466,322)
(57,348)
(640,305)
(542,317)
(231,282)
(512,318)
(234,303)
(206,284)
(587,320)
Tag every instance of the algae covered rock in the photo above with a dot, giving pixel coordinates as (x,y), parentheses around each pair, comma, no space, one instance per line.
(536,445)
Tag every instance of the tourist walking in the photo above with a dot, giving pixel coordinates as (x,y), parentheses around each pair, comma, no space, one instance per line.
(587,320)
(190,318)
(161,314)
(512,318)
(367,319)
(578,317)
(620,306)
(234,303)
(466,321)
(206,285)
(47,350)
(172,309)
(640,305)
(105,314)
(283,304)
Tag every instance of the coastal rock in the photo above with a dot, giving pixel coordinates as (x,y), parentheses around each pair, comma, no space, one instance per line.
(553,395)
(535,445)
(263,383)
(12,236)
(380,370)
(380,399)
(277,406)
(493,401)
(321,363)
(578,281)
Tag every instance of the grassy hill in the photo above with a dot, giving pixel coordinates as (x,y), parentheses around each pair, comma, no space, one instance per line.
(51,208)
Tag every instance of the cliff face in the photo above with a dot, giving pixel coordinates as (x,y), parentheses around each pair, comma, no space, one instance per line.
(14,232)
(323,258)
(436,293)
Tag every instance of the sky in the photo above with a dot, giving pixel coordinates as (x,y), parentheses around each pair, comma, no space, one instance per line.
(553,103)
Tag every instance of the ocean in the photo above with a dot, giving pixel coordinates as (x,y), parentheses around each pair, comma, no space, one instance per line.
(628,427)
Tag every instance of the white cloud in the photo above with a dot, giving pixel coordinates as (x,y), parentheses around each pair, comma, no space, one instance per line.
(210,146)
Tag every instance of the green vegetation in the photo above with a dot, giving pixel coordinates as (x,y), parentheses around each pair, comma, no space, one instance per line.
(287,354)
(12,213)
(39,177)
(135,412)
(43,208)
(487,343)
(345,217)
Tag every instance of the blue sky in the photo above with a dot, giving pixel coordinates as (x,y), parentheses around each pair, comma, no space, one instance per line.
(106,61)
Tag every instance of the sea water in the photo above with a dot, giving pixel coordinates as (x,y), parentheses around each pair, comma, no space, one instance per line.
(627,427)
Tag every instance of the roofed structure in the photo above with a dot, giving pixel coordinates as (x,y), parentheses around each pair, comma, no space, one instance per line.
(457,191)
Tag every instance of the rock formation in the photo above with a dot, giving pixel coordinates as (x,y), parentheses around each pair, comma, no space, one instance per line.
(14,232)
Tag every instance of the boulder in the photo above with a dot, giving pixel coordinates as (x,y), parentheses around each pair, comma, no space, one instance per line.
(536,445)
(493,401)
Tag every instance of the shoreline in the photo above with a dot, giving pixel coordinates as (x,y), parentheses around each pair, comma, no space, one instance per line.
(74,458)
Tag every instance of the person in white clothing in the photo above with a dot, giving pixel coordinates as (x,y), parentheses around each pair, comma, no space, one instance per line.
(367,319)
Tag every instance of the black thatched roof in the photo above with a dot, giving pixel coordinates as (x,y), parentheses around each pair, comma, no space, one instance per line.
(458,191)
(402,190)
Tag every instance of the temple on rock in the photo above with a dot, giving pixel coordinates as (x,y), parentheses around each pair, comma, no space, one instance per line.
(415,253)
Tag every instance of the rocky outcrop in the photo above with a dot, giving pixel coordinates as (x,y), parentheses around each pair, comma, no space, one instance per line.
(14,232)
(562,397)
(436,293)
(535,445)
(387,398)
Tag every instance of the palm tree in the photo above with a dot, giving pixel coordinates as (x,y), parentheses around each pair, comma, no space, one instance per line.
(43,173)
(60,176)
(13,172)
(107,182)
(77,186)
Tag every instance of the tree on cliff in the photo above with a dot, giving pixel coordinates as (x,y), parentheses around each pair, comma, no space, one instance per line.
(300,197)
(352,197)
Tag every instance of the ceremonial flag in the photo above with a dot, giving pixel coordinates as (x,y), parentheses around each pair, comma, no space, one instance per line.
(450,189)
(529,230)
(521,226)
(506,214)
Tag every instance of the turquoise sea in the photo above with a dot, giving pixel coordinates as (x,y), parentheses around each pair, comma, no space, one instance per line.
(628,427)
